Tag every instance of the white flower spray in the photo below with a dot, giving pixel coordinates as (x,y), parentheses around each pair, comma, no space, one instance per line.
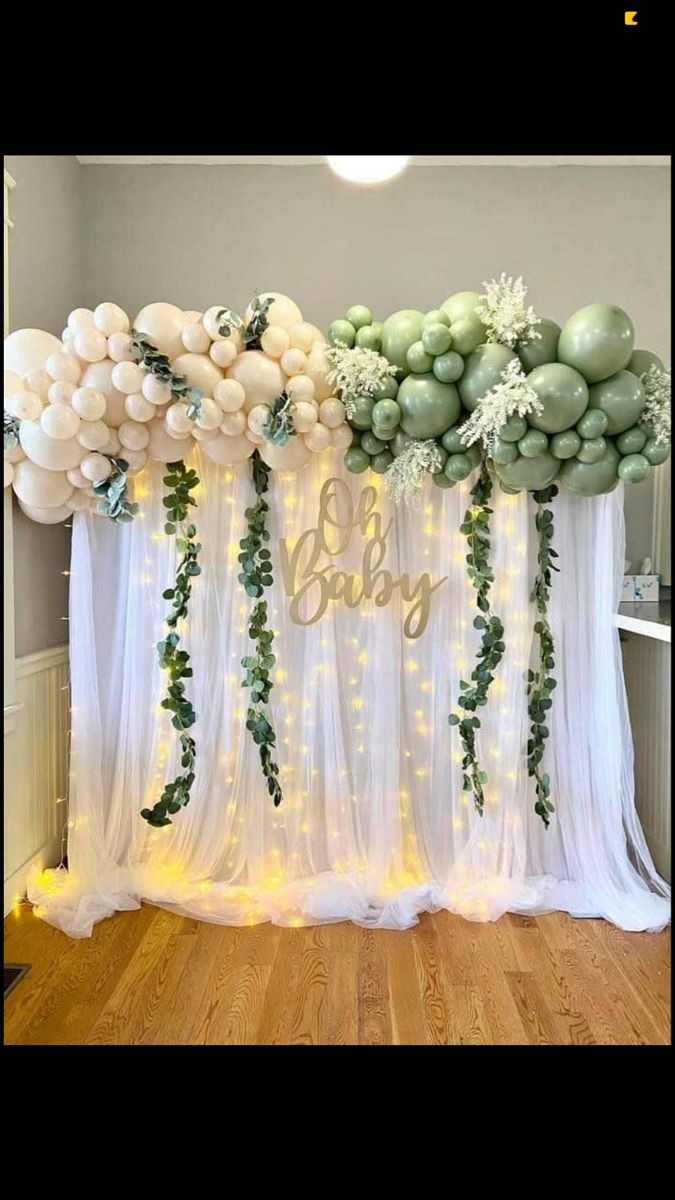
(656,412)
(357,372)
(512,396)
(403,480)
(504,312)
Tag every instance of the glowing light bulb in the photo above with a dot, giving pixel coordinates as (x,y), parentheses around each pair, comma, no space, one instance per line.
(367,168)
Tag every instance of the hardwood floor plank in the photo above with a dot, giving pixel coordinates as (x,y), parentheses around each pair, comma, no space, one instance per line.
(339,1016)
(567,1007)
(538,1022)
(373,990)
(275,1018)
(407,1009)
(440,1025)
(309,995)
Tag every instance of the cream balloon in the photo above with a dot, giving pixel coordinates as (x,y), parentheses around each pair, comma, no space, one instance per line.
(48,452)
(38,381)
(300,387)
(210,414)
(61,392)
(283,311)
(228,450)
(191,316)
(260,376)
(302,336)
(68,339)
(93,435)
(342,437)
(88,403)
(45,516)
(77,479)
(256,438)
(294,362)
(99,376)
(13,383)
(162,324)
(178,421)
(136,460)
(318,367)
(81,318)
(224,353)
(113,444)
(59,421)
(275,341)
(292,457)
(96,467)
(229,395)
(28,349)
(257,418)
(332,412)
(120,347)
(15,454)
(138,408)
(162,448)
(304,416)
(8,473)
(155,391)
(25,406)
(109,319)
(205,435)
(37,486)
(90,345)
(77,502)
(128,377)
(233,424)
(133,435)
(196,339)
(220,316)
(319,438)
(200,371)
(63,367)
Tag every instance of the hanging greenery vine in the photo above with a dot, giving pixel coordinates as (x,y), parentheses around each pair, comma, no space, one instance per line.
(180,482)
(258,322)
(148,356)
(113,494)
(256,575)
(540,683)
(476,528)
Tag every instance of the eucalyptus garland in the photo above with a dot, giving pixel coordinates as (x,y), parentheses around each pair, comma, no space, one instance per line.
(258,322)
(11,431)
(476,528)
(113,494)
(148,356)
(256,575)
(180,481)
(540,683)
(279,427)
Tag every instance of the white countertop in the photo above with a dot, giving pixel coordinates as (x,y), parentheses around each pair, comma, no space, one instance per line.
(649,618)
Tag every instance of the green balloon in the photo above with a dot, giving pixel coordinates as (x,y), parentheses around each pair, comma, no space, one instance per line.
(591,479)
(509,490)
(372,444)
(383,435)
(641,360)
(441,480)
(592,450)
(514,429)
(563,393)
(533,444)
(368,337)
(621,398)
(452,442)
(381,462)
(458,467)
(342,332)
(400,442)
(503,452)
(632,441)
(633,468)
(565,445)
(362,414)
(418,360)
(529,474)
(356,439)
(387,414)
(597,341)
(460,305)
(593,423)
(448,367)
(436,317)
(436,338)
(474,455)
(428,407)
(443,458)
(544,349)
(388,389)
(466,334)
(356,460)
(656,452)
(399,332)
(358,316)
(482,370)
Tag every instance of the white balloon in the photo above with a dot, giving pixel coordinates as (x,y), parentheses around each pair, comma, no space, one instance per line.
(81,318)
(88,403)
(163,448)
(48,452)
(318,367)
(332,412)
(26,349)
(342,437)
(128,377)
(300,387)
(113,444)
(68,339)
(42,488)
(200,371)
(216,317)
(155,391)
(138,408)
(59,421)
(25,406)
(275,341)
(256,438)
(178,421)
(38,381)
(133,435)
(229,395)
(162,324)
(303,336)
(61,392)
(292,457)
(109,318)
(45,516)
(318,438)
(63,367)
(77,479)
(260,376)
(191,316)
(223,353)
(136,460)
(14,383)
(196,339)
(99,375)
(304,416)
(15,455)
(210,414)
(233,424)
(77,502)
(119,347)
(282,312)
(96,467)
(8,473)
(204,435)
(228,450)
(90,345)
(294,362)
(257,417)
(93,435)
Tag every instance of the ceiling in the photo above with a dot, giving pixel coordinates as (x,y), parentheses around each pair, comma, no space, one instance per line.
(443,160)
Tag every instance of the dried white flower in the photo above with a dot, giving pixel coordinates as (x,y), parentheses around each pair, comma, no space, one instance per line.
(403,480)
(503,311)
(656,412)
(512,396)
(357,372)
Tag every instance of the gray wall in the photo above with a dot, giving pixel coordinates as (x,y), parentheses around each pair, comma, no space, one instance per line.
(45,265)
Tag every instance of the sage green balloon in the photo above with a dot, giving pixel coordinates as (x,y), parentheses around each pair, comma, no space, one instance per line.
(565,445)
(356,440)
(460,305)
(597,341)
(458,467)
(358,316)
(399,332)
(356,460)
(418,360)
(466,334)
(591,479)
(372,444)
(544,349)
(529,474)
(441,480)
(473,454)
(381,462)
(368,337)
(442,458)
(533,443)
(388,389)
(400,442)
(362,414)
(383,435)
(482,370)
(503,452)
(436,338)
(428,407)
(509,490)
(621,398)
(387,414)
(563,393)
(632,441)
(633,468)
(641,360)
(592,450)
(513,429)
(448,367)
(452,442)
(342,332)
(436,317)
(656,452)
(593,423)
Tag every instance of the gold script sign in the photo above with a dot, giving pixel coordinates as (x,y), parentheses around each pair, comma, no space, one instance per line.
(311,584)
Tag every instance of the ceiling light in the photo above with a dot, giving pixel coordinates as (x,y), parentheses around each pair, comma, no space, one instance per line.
(367,168)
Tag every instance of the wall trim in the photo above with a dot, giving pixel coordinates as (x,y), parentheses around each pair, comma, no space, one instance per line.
(14,889)
(41,660)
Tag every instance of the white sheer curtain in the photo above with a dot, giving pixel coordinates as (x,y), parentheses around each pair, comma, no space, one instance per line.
(374,826)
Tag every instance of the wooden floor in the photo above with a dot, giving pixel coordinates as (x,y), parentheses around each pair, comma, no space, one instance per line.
(152,977)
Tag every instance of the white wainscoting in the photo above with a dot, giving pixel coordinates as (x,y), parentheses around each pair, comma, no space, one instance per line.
(647,673)
(36,767)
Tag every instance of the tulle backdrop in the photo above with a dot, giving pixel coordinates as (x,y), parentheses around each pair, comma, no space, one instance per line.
(374,826)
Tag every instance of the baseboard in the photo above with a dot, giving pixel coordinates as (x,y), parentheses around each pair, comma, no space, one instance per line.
(15,887)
